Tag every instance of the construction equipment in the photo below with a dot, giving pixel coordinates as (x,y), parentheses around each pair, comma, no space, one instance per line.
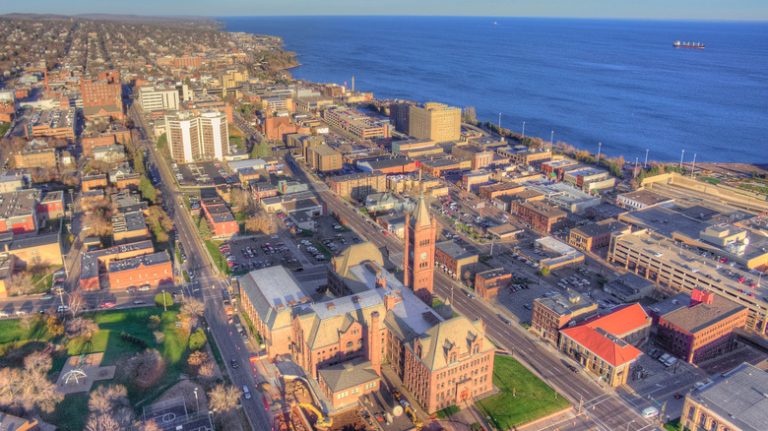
(322,421)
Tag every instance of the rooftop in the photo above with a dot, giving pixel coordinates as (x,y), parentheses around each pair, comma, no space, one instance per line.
(347,374)
(564,305)
(700,316)
(646,197)
(454,250)
(603,227)
(135,262)
(18,204)
(128,222)
(739,396)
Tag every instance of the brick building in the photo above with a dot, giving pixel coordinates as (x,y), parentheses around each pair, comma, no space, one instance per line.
(219,217)
(153,269)
(703,330)
(103,97)
(540,216)
(358,186)
(91,182)
(455,259)
(489,283)
(323,158)
(18,211)
(605,346)
(50,206)
(595,236)
(555,311)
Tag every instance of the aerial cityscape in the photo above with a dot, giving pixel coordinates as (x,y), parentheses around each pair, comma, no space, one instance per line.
(400,216)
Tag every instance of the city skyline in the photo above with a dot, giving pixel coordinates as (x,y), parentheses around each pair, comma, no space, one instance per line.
(710,10)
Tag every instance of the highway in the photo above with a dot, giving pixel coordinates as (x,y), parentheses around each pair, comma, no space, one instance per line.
(605,410)
(213,287)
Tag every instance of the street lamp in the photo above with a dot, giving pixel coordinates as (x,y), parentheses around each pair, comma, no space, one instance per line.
(197,402)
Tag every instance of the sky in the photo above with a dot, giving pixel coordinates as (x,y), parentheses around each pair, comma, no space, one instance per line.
(625,9)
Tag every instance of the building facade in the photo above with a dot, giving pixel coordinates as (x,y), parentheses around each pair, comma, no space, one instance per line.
(419,252)
(192,137)
(434,121)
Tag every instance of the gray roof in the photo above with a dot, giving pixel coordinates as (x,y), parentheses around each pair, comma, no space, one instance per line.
(454,250)
(135,262)
(348,374)
(272,292)
(739,396)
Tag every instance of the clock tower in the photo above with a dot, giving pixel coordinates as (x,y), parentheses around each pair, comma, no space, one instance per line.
(419,253)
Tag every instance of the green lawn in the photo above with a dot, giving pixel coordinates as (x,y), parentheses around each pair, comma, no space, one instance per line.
(13,335)
(523,397)
(218,258)
(4,128)
(673,425)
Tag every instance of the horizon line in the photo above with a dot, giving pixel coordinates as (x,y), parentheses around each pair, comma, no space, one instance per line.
(642,19)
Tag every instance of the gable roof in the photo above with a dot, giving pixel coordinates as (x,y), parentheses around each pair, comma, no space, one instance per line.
(603,335)
(622,320)
(611,349)
(457,332)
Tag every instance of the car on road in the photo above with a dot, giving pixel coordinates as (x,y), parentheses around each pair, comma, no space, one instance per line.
(144,288)
(504,319)
(138,302)
(108,304)
(246,392)
(572,368)
(234,364)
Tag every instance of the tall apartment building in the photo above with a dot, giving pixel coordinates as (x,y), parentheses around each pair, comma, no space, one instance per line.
(398,116)
(434,121)
(158,99)
(419,253)
(193,138)
(103,97)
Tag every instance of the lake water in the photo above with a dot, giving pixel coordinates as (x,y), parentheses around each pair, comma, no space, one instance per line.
(616,82)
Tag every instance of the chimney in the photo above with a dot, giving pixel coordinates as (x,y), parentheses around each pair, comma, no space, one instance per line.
(374,342)
(381,282)
(391,300)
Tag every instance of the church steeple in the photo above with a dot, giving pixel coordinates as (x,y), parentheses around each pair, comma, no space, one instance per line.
(419,256)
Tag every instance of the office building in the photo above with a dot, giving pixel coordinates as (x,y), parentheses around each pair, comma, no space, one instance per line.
(103,96)
(193,137)
(356,123)
(150,269)
(455,259)
(555,311)
(735,401)
(158,99)
(359,185)
(703,330)
(434,121)
(674,269)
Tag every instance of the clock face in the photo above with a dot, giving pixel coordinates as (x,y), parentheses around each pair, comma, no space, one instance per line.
(423,255)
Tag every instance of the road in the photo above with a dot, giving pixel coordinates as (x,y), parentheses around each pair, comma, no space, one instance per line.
(213,287)
(605,410)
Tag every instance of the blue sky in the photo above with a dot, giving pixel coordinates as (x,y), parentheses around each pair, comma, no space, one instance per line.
(638,9)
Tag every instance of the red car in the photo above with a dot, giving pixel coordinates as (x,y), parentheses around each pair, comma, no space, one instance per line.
(108,304)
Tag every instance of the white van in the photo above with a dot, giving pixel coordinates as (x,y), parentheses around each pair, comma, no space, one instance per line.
(246,392)
(650,412)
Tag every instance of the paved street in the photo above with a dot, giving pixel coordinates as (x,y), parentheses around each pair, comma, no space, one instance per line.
(230,344)
(606,411)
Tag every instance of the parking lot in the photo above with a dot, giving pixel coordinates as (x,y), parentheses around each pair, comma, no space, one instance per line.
(203,174)
(258,251)
(329,239)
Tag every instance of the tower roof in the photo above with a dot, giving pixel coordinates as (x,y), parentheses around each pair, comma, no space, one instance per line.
(421,214)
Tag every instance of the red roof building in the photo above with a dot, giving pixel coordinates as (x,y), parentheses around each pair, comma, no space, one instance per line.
(605,345)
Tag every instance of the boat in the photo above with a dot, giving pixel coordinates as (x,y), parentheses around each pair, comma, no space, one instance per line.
(691,45)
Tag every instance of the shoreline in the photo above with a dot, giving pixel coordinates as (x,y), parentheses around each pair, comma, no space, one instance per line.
(532,140)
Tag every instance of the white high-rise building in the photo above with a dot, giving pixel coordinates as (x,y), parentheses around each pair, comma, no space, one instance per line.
(197,137)
(158,99)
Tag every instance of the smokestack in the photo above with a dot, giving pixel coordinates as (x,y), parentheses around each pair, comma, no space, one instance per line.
(374,342)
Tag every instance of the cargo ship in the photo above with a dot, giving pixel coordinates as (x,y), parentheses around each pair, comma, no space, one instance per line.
(692,45)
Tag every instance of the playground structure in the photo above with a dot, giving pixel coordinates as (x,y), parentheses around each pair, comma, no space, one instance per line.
(80,372)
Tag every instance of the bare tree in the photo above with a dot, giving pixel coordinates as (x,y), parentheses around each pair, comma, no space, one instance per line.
(223,398)
(28,389)
(191,311)
(110,409)
(102,422)
(201,364)
(81,328)
(145,368)
(21,284)
(262,222)
(149,425)
(75,302)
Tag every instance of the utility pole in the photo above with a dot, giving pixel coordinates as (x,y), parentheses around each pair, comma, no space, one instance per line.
(693,165)
(681,159)
(645,164)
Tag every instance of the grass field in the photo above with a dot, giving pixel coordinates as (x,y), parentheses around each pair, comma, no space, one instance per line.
(14,335)
(523,397)
(218,258)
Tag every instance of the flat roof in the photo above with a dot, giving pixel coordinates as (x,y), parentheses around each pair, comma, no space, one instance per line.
(700,316)
(275,284)
(454,250)
(565,304)
(135,262)
(739,396)
(646,197)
